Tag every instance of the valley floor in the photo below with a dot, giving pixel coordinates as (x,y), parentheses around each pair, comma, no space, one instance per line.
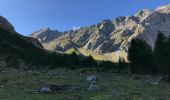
(18,85)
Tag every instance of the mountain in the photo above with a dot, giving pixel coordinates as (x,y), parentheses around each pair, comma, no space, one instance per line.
(158,20)
(16,47)
(110,39)
(5,24)
(46,35)
(21,52)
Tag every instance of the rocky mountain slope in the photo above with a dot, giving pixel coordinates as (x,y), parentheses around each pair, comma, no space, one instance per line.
(111,38)
(5,24)
(46,35)
(14,47)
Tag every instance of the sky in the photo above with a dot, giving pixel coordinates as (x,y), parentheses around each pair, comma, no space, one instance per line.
(28,16)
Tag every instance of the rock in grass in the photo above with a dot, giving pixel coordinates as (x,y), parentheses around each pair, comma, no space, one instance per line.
(91,78)
(46,90)
(50,88)
(94,88)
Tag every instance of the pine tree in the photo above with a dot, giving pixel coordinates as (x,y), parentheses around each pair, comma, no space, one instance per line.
(160,52)
(167,58)
(140,57)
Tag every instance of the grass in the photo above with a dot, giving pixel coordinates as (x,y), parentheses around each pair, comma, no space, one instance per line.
(95,55)
(114,56)
(18,85)
(70,51)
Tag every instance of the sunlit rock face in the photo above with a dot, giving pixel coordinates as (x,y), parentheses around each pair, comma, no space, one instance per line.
(158,20)
(46,35)
(142,14)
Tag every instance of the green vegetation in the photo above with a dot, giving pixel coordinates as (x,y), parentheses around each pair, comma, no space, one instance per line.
(162,54)
(18,85)
(115,79)
(144,60)
(140,57)
(17,49)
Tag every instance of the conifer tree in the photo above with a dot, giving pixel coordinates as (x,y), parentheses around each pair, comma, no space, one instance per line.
(160,51)
(140,57)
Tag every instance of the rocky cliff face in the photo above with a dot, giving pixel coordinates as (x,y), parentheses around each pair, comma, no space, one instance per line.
(158,20)
(113,36)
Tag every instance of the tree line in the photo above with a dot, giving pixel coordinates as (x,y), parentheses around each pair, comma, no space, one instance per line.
(142,58)
(16,49)
(146,60)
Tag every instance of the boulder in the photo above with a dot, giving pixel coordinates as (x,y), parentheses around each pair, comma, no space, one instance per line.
(46,90)
(91,78)
(94,88)
(50,88)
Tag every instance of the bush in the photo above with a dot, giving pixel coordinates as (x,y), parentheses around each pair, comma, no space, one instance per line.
(12,62)
(107,65)
(89,62)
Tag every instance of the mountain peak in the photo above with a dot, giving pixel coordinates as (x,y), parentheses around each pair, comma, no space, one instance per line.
(5,24)
(46,34)
(142,14)
(164,9)
(40,31)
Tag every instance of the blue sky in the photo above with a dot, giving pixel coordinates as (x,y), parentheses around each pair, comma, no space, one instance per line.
(30,15)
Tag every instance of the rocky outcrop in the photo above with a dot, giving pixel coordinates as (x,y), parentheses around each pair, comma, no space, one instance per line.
(158,20)
(4,23)
(142,14)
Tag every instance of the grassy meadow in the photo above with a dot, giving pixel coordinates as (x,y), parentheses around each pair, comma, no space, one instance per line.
(22,85)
